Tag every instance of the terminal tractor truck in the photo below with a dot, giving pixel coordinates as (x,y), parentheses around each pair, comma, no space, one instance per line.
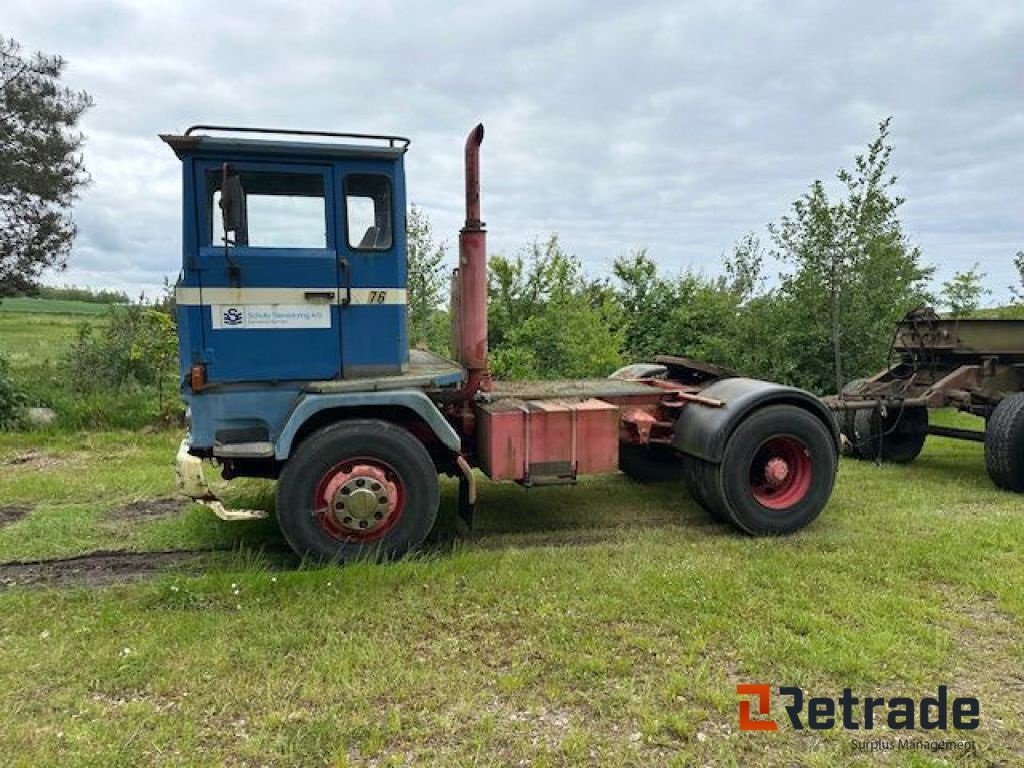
(295,365)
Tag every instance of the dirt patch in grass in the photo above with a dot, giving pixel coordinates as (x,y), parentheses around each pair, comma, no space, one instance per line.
(985,635)
(99,569)
(12,514)
(148,509)
(33,459)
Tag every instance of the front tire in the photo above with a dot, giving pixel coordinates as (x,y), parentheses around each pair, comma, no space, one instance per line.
(776,473)
(1004,443)
(355,490)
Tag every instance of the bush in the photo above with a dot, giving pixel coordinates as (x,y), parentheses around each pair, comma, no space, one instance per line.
(12,399)
(121,374)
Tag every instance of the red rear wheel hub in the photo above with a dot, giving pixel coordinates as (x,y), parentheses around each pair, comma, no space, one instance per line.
(359,500)
(781,472)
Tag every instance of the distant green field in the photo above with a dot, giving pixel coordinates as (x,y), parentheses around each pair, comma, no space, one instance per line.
(32,340)
(22,304)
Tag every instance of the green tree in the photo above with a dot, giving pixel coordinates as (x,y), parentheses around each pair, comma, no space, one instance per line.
(41,168)
(1017,291)
(692,315)
(854,273)
(428,282)
(647,301)
(12,399)
(963,292)
(547,320)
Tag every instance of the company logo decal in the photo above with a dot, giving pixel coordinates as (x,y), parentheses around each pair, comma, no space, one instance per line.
(939,712)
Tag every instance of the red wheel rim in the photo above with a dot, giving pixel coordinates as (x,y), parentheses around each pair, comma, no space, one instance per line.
(781,472)
(359,500)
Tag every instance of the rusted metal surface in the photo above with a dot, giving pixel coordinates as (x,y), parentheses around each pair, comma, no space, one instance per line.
(966,337)
(573,388)
(969,364)
(526,440)
(472,275)
(693,371)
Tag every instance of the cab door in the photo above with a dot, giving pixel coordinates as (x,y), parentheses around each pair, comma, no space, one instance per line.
(269,290)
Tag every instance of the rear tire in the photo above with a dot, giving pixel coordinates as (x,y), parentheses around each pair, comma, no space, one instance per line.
(695,476)
(776,473)
(355,490)
(898,438)
(1004,443)
(646,464)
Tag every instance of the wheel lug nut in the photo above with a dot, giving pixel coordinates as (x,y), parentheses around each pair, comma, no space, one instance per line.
(363,523)
(379,515)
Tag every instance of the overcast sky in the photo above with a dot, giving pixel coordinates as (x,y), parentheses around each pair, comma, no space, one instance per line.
(676,126)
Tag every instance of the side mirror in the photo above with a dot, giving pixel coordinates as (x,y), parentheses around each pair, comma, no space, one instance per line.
(232,205)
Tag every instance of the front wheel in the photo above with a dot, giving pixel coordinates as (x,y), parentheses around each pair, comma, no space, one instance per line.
(357,489)
(776,473)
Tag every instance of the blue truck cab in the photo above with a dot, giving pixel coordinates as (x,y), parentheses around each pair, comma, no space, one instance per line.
(291,301)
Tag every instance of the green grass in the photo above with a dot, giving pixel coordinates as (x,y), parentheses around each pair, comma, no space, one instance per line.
(606,624)
(27,305)
(34,342)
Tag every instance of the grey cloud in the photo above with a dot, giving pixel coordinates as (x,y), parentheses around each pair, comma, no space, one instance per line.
(675,126)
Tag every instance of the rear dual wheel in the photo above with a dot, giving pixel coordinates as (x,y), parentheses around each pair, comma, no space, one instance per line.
(776,473)
(649,464)
(357,489)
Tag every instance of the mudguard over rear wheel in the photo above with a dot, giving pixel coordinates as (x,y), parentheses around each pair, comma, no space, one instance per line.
(776,473)
(357,489)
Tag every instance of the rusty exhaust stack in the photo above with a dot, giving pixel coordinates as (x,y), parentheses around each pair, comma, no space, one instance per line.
(472,276)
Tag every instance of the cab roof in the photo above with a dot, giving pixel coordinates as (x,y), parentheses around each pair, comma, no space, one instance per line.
(336,145)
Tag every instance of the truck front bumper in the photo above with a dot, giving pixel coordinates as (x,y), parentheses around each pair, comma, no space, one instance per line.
(192,483)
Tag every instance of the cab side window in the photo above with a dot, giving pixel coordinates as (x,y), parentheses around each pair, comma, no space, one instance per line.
(278,210)
(368,211)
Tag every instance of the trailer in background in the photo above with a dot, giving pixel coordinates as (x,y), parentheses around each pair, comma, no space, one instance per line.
(973,365)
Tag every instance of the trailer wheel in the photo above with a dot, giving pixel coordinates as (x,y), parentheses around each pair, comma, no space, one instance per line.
(1004,443)
(646,464)
(777,471)
(845,418)
(357,489)
(898,438)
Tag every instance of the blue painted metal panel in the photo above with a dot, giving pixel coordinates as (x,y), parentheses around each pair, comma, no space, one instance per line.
(362,340)
(265,406)
(236,354)
(283,410)
(376,338)
(413,399)
(265,367)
